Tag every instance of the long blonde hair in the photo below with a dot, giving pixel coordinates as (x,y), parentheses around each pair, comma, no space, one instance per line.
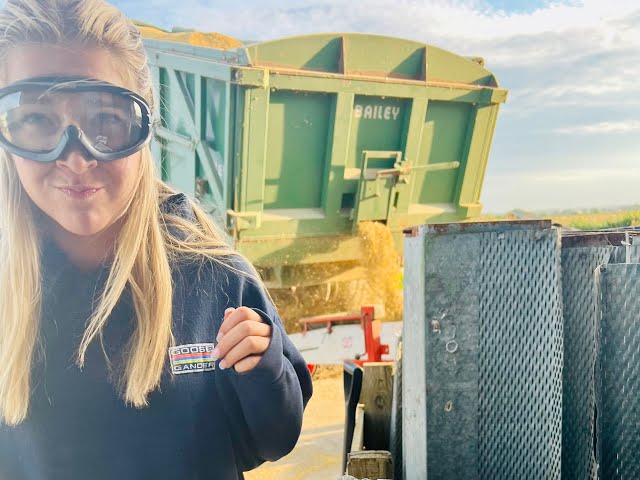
(143,249)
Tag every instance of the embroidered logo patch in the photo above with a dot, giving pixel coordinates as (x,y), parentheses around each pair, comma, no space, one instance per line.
(192,358)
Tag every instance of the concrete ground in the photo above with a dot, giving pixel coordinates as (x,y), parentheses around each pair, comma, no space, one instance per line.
(318,455)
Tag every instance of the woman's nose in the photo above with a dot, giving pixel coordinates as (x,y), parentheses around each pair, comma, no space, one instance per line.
(77,161)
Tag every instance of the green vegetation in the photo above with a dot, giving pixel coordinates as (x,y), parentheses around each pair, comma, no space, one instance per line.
(580,221)
(597,221)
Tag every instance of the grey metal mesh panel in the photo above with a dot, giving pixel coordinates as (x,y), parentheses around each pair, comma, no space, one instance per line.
(618,372)
(496,407)
(634,256)
(582,254)
(520,364)
(451,351)
(482,387)
(579,292)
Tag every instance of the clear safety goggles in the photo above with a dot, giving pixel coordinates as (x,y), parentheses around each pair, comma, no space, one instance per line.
(41,117)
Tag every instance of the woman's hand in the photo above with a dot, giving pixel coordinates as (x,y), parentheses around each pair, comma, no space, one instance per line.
(242,339)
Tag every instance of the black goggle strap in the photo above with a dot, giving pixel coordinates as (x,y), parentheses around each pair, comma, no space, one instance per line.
(70,84)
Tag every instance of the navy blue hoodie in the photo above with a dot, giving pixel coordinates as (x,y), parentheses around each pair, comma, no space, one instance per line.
(203,423)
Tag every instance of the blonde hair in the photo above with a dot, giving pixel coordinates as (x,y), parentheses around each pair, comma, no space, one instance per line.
(143,249)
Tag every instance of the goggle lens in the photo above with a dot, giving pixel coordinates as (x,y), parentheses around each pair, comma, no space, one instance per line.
(35,118)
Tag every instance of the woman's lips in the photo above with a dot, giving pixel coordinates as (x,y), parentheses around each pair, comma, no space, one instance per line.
(79,192)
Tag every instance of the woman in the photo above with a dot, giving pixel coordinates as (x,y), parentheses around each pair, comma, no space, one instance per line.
(134,342)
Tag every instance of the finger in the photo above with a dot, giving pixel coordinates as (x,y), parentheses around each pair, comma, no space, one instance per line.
(238,334)
(248,346)
(247,364)
(227,312)
(237,316)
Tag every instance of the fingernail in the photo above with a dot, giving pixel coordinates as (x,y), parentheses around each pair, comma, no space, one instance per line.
(219,337)
(222,365)
(215,354)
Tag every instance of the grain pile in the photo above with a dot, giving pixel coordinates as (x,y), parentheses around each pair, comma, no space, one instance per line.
(325,299)
(383,266)
(199,39)
(382,285)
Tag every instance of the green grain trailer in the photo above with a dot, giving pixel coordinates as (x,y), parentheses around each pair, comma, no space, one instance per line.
(293,142)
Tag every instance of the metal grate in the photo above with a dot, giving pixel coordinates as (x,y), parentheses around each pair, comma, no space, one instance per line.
(487,309)
(440,358)
(582,254)
(618,373)
(520,356)
(580,321)
(521,384)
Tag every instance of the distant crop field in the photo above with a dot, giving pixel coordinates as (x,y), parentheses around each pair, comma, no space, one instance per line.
(596,221)
(580,221)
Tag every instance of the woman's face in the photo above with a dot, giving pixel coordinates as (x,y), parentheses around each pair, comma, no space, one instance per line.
(81,195)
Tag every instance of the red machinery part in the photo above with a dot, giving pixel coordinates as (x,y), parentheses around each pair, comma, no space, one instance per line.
(371,327)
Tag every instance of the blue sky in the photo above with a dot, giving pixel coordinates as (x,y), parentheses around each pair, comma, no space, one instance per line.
(569,134)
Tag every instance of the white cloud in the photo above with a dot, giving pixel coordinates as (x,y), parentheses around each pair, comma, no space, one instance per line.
(563,54)
(565,61)
(600,128)
(604,86)
(594,23)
